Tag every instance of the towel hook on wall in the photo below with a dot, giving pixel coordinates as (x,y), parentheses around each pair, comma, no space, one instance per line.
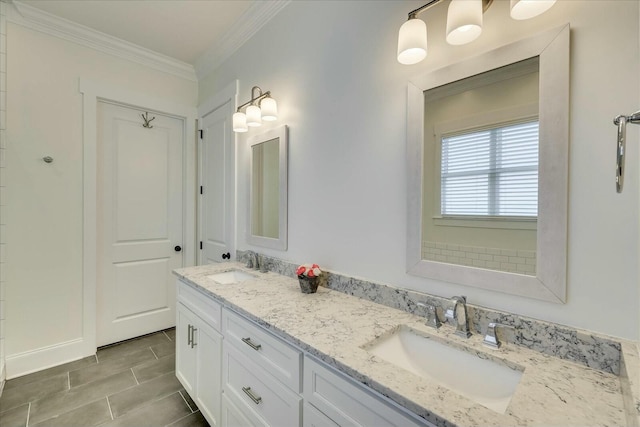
(621,121)
(146,119)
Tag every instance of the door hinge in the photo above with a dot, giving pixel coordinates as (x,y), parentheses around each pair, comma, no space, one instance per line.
(201,190)
(201,133)
(200,245)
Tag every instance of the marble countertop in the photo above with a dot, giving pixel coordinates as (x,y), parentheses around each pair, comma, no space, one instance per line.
(335,327)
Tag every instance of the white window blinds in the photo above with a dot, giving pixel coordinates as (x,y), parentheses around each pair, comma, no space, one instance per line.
(491,172)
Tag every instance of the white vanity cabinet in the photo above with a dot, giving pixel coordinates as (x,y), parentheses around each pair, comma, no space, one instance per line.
(199,350)
(261,375)
(240,374)
(332,398)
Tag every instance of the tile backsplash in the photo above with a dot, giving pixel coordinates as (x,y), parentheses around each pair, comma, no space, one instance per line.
(556,340)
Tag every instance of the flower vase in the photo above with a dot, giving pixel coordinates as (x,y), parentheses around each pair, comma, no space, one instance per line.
(308,285)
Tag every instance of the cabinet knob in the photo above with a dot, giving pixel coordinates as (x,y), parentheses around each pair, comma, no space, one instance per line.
(177,248)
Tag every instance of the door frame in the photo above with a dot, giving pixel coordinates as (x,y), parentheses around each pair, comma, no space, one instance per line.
(93,92)
(228,94)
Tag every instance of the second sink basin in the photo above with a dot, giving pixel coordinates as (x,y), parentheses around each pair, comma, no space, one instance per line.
(231,276)
(484,381)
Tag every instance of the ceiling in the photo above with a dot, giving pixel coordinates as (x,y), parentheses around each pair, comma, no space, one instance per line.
(180,29)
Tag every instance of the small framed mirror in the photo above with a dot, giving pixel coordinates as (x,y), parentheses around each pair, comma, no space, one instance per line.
(267,225)
(487,157)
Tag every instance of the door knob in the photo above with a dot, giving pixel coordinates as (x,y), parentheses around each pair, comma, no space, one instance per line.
(177,249)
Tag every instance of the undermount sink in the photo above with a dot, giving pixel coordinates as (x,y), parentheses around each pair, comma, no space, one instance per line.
(487,382)
(231,276)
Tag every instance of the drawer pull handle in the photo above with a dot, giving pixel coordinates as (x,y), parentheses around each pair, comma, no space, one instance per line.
(248,342)
(189,336)
(193,338)
(252,396)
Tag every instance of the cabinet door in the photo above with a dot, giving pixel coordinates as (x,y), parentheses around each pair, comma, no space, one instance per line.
(186,368)
(208,346)
(314,418)
(233,417)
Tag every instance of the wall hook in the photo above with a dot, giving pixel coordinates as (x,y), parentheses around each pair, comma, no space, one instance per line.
(146,119)
(48,159)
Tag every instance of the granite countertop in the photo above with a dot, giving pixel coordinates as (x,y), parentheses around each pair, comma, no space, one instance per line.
(335,327)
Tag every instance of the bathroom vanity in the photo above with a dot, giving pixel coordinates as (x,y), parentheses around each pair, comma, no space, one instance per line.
(253,350)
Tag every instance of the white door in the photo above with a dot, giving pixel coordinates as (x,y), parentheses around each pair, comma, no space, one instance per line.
(216,219)
(140,224)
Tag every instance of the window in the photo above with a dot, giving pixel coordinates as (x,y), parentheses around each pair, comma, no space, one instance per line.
(491,172)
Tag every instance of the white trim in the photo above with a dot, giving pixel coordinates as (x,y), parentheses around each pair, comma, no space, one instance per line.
(92,92)
(39,20)
(550,283)
(3,376)
(245,27)
(228,94)
(45,357)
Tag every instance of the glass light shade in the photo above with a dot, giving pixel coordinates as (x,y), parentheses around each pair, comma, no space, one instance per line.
(239,122)
(526,9)
(254,116)
(269,109)
(412,42)
(464,21)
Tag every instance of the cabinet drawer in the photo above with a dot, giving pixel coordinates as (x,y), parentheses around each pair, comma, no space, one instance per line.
(248,386)
(350,404)
(202,305)
(267,351)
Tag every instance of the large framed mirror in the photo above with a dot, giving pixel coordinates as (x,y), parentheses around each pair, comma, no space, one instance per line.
(487,153)
(267,225)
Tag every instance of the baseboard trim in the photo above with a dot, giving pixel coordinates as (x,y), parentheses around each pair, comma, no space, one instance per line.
(20,364)
(2,377)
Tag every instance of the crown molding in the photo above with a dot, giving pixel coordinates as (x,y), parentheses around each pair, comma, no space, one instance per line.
(245,27)
(39,20)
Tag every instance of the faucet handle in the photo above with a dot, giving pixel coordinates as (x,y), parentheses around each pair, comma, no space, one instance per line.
(249,255)
(432,315)
(264,268)
(491,337)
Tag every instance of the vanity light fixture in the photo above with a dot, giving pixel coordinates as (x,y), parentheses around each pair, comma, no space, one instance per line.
(261,107)
(464,24)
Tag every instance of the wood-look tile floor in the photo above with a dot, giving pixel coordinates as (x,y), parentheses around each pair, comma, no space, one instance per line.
(129,384)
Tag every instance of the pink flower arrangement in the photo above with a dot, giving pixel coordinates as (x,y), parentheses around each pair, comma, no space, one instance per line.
(309,270)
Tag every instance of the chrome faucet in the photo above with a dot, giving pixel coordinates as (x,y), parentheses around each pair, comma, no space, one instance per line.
(432,315)
(252,260)
(458,313)
(491,338)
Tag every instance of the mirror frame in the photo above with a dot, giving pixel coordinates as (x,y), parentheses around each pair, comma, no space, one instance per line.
(549,284)
(280,133)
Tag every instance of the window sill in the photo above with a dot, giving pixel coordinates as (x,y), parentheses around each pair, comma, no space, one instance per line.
(509,223)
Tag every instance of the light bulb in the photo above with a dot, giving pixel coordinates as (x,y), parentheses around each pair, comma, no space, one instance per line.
(464,21)
(412,42)
(526,9)
(254,118)
(269,109)
(239,122)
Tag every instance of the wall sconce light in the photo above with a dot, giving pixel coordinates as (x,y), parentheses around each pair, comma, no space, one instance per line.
(464,24)
(260,107)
